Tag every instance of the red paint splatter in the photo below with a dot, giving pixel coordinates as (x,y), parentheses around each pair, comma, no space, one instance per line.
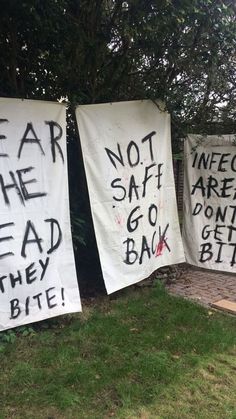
(119,220)
(160,247)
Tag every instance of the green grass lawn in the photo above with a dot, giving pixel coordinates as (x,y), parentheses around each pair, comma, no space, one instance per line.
(143,355)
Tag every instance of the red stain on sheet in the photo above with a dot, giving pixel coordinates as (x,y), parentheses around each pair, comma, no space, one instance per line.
(119,220)
(160,247)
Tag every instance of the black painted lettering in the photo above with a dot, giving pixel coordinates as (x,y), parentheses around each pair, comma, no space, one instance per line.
(206,232)
(198,185)
(233,259)
(6,238)
(222,161)
(227,184)
(30,273)
(27,306)
(147,177)
(44,266)
(1,283)
(195,159)
(113,156)
(218,232)
(213,161)
(148,138)
(231,229)
(197,209)
(153,244)
(212,185)
(55,138)
(233,164)
(221,214)
(234,213)
(3,137)
(14,308)
(133,187)
(133,222)
(209,212)
(37,297)
(159,175)
(32,140)
(203,161)
(218,259)
(133,157)
(55,241)
(131,254)
(115,186)
(152,215)
(26,194)
(36,239)
(13,185)
(144,249)
(49,297)
(205,252)
(162,236)
(15,279)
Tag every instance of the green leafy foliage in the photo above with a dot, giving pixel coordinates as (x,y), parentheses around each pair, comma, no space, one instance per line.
(77,226)
(109,50)
(10,336)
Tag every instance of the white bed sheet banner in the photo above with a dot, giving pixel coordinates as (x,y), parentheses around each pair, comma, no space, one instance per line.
(127,155)
(209,230)
(37,270)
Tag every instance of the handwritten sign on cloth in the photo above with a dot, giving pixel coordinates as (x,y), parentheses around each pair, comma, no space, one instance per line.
(209,230)
(37,271)
(127,155)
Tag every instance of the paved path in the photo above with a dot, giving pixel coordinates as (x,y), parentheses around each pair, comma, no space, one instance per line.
(204,286)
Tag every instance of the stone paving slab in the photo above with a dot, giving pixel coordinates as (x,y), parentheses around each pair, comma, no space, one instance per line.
(225,305)
(203,285)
